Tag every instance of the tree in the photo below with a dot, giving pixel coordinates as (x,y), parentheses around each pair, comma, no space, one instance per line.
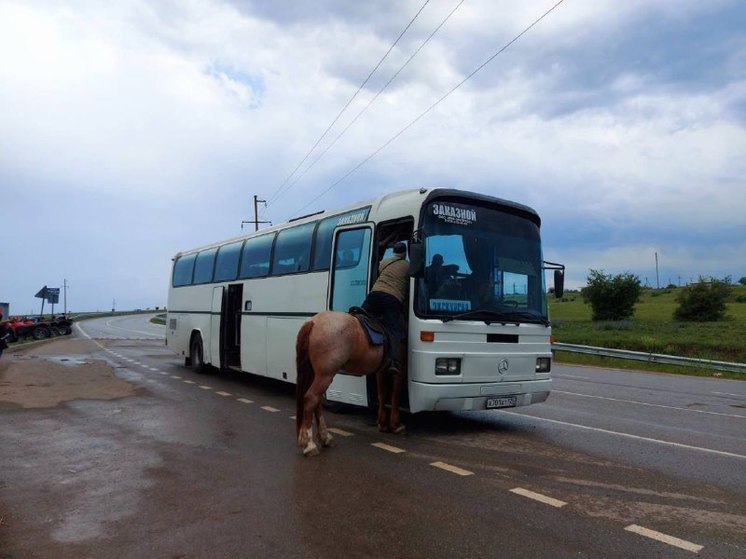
(742,281)
(703,301)
(612,298)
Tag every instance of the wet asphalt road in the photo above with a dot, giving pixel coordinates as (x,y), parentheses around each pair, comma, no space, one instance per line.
(206,466)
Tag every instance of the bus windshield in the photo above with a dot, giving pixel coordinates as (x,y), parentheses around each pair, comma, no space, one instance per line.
(481,264)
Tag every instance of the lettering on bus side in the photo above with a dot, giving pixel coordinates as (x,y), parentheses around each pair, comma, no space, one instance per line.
(358,217)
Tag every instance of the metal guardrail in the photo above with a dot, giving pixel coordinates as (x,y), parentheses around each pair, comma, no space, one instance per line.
(652,357)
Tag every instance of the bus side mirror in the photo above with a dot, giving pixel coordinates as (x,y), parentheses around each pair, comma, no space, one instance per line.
(416,260)
(559,283)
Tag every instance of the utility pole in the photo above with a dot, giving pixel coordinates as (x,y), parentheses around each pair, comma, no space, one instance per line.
(657,278)
(256,221)
(64,294)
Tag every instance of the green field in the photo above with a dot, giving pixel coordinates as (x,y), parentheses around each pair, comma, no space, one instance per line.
(652,329)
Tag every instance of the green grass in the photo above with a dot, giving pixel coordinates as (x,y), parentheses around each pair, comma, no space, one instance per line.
(653,329)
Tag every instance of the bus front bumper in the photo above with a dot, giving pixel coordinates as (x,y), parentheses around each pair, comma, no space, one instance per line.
(474,397)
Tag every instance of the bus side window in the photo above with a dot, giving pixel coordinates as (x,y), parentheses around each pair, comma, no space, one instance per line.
(226,265)
(204,265)
(323,243)
(255,257)
(183,270)
(322,246)
(292,250)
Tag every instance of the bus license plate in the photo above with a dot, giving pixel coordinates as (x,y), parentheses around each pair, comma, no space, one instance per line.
(501,402)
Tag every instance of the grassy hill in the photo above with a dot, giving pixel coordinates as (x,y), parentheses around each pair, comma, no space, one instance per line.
(653,329)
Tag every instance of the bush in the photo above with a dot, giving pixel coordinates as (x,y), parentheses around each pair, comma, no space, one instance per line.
(612,298)
(703,301)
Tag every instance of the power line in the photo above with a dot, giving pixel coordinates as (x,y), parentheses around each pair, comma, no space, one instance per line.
(354,120)
(279,189)
(431,107)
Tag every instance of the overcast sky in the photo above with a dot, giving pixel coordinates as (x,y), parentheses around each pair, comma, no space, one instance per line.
(131,130)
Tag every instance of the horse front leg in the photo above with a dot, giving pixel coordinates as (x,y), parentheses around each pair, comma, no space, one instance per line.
(383,417)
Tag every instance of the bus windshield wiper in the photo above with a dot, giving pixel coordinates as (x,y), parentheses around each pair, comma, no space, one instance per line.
(489,316)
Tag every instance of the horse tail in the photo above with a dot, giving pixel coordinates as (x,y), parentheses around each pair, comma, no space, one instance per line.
(304,370)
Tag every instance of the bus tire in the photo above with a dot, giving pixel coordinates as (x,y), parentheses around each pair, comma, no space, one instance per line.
(197,354)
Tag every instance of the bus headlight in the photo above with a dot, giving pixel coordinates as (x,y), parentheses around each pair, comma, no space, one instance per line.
(543,364)
(448,366)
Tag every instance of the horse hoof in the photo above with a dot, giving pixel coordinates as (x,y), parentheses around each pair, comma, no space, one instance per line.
(383,428)
(399,430)
(327,441)
(311,450)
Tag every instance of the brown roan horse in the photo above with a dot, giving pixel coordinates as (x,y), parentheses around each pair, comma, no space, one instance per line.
(327,343)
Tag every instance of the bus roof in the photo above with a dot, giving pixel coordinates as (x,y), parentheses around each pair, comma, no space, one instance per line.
(387,206)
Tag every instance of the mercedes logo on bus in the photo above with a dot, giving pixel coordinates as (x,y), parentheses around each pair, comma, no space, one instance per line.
(502,367)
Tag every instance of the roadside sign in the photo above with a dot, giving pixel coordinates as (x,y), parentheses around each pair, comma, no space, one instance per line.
(51,294)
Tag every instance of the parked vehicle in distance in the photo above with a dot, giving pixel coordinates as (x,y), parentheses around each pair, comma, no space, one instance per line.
(37,328)
(4,337)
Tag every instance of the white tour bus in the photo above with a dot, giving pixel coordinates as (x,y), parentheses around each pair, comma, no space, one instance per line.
(478,330)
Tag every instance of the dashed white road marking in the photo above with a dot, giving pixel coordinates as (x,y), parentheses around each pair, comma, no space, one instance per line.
(339,432)
(538,497)
(177,377)
(189,382)
(205,387)
(451,468)
(221,393)
(388,447)
(154,369)
(245,401)
(162,372)
(630,436)
(270,408)
(665,538)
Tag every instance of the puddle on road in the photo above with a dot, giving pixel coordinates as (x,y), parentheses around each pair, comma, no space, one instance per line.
(39,377)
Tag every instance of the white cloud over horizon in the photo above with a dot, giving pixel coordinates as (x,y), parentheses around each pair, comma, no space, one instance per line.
(134,130)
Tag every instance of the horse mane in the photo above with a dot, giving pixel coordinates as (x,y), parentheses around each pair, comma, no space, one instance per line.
(304,371)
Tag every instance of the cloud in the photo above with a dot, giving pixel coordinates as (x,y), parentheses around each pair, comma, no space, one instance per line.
(144,128)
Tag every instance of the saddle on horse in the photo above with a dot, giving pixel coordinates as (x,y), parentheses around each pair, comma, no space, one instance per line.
(375,332)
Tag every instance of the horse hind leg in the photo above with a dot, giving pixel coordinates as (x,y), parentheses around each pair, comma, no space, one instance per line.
(311,407)
(306,441)
(325,437)
(305,437)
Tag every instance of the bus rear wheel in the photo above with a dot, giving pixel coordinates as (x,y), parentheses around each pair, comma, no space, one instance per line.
(197,355)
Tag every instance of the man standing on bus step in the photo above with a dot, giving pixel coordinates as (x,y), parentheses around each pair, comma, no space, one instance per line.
(386,299)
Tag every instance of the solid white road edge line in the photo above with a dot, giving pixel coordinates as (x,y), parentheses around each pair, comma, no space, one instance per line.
(630,436)
(649,405)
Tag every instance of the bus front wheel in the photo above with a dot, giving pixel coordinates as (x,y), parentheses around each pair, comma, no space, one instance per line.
(197,355)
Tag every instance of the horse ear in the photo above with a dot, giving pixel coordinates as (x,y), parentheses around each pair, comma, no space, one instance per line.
(416,259)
